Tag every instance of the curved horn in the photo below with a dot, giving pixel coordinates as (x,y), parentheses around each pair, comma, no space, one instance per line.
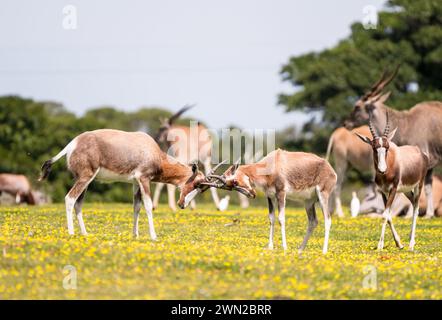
(180,112)
(381,83)
(370,126)
(386,81)
(387,126)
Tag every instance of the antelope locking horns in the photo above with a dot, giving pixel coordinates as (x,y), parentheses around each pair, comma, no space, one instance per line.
(212,174)
(387,126)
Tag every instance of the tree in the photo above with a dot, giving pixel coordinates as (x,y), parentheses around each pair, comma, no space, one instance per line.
(409,32)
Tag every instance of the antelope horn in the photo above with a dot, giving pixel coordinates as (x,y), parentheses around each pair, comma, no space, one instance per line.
(387,127)
(180,112)
(370,126)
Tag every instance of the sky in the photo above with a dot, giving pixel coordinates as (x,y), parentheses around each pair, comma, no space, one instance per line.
(225,56)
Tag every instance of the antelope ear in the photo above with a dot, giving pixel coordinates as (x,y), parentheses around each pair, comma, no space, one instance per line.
(363,138)
(384,97)
(391,134)
(194,167)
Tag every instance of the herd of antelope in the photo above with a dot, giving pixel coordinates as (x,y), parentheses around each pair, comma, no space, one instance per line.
(399,148)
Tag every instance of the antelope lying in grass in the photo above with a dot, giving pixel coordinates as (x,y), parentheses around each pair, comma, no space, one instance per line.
(134,157)
(284,174)
(398,169)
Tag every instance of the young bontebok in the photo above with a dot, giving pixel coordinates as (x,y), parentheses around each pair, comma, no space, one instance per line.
(283,174)
(419,126)
(134,157)
(398,169)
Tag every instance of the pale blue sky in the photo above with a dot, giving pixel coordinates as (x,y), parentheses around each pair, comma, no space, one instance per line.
(223,55)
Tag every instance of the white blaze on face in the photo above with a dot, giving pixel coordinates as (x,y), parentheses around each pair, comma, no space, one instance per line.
(382,164)
(190,196)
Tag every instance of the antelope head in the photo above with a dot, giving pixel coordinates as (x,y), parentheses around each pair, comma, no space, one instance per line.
(380,144)
(368,104)
(166,124)
(198,183)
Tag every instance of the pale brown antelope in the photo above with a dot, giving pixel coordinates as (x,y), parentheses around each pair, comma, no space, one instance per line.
(18,186)
(347,150)
(398,169)
(284,174)
(187,147)
(419,126)
(134,157)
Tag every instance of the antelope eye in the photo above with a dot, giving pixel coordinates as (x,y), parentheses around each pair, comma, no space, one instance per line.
(235,182)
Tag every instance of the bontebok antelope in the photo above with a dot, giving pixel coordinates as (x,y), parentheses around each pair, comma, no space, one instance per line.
(283,174)
(134,157)
(398,169)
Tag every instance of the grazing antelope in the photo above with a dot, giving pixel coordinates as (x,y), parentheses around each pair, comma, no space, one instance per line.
(134,157)
(419,126)
(187,147)
(18,186)
(398,169)
(283,174)
(346,150)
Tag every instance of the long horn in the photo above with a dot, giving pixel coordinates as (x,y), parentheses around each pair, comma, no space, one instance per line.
(375,85)
(381,83)
(179,113)
(370,126)
(387,127)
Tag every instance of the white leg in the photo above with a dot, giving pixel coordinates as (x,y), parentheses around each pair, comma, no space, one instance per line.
(281,217)
(312,223)
(413,227)
(137,206)
(145,194)
(272,222)
(171,196)
(381,240)
(157,194)
(429,213)
(416,195)
(17,198)
(70,202)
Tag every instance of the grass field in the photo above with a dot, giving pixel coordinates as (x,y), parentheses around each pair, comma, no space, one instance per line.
(206,254)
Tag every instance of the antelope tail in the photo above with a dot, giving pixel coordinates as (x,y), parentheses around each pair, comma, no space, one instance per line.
(329,147)
(47,166)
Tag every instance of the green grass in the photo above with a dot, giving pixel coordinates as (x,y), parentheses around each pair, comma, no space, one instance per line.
(206,254)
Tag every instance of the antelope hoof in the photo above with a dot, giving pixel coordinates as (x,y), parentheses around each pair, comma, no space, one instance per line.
(270,246)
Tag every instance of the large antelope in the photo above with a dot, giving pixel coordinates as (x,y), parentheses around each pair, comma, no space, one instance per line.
(346,150)
(398,169)
(419,126)
(283,174)
(134,157)
(18,186)
(187,147)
